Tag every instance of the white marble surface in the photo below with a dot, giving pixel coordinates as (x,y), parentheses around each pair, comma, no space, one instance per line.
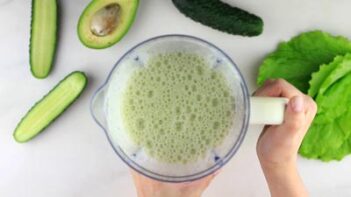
(73,158)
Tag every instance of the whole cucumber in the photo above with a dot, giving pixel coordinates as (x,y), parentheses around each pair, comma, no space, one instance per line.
(221,16)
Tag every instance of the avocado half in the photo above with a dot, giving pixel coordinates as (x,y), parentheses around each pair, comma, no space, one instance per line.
(126,13)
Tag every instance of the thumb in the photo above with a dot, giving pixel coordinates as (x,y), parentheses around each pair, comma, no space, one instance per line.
(294,115)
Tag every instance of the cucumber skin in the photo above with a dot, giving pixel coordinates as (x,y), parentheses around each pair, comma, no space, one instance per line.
(63,110)
(221,16)
(55,40)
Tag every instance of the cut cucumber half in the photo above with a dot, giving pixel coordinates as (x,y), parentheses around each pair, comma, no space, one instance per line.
(50,106)
(43,37)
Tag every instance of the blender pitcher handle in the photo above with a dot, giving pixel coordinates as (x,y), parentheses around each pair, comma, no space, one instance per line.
(267,110)
(97,107)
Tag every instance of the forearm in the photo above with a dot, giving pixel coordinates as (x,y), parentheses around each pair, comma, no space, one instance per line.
(284,181)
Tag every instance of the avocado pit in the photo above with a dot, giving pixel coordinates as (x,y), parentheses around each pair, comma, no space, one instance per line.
(105,21)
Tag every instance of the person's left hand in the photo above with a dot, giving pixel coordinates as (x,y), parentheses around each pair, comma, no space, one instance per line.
(147,187)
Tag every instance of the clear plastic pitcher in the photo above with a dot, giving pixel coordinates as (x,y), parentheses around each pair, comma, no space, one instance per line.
(248,110)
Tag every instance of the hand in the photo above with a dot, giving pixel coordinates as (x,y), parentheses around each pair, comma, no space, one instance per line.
(277,147)
(147,187)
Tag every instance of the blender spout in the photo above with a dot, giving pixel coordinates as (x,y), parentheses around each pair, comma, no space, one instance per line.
(97,107)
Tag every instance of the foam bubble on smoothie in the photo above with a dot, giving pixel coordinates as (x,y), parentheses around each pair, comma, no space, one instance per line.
(177,108)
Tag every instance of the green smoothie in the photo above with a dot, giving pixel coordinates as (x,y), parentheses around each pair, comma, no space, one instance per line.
(177,108)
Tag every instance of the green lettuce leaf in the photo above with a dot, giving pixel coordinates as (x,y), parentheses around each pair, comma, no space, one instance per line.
(329,137)
(342,67)
(319,76)
(297,59)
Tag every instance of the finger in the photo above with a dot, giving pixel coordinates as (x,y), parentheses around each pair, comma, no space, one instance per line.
(268,81)
(216,173)
(310,109)
(278,87)
(294,118)
(206,179)
(310,112)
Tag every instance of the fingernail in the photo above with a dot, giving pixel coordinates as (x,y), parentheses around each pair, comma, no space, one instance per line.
(297,104)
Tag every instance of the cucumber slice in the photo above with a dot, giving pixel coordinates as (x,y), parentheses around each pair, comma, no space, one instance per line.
(43,37)
(50,106)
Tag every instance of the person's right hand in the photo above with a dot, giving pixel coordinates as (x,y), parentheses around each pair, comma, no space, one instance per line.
(278,145)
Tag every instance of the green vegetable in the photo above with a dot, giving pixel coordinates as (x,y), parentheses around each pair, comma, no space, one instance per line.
(221,16)
(338,69)
(52,105)
(319,77)
(43,37)
(342,67)
(297,59)
(329,135)
(105,22)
